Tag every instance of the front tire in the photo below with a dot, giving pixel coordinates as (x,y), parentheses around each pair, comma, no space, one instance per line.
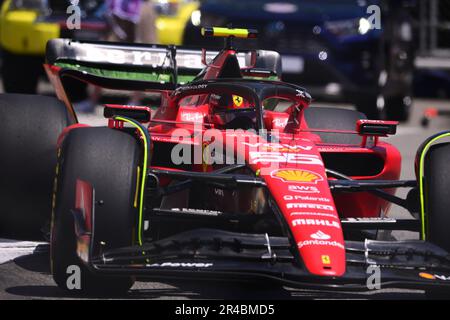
(437,201)
(108,159)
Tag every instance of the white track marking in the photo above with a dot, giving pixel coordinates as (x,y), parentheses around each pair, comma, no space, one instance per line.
(12,249)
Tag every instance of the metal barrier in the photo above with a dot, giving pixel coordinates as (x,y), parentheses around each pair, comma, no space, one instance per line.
(434,28)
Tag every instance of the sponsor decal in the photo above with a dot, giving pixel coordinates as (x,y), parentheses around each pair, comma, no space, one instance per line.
(180,265)
(306,198)
(297,175)
(191,117)
(303,189)
(194,87)
(319,235)
(430,276)
(302,94)
(277,146)
(309,206)
(326,260)
(369,220)
(282,157)
(141,57)
(172,139)
(341,149)
(319,214)
(197,211)
(237,101)
(280,149)
(363,121)
(191,87)
(315,222)
(280,123)
(307,243)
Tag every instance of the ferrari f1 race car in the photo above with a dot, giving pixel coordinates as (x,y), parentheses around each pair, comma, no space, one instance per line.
(230,176)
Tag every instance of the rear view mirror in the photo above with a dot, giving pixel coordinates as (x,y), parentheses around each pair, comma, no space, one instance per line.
(376,127)
(138,113)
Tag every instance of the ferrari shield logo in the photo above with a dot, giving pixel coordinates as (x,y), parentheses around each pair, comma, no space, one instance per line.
(237,101)
(326,260)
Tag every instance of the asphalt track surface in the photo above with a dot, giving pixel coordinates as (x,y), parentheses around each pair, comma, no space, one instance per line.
(25,274)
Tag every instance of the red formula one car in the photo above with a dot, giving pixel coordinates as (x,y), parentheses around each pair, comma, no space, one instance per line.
(230,176)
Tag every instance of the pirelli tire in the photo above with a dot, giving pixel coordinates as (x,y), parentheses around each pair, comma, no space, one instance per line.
(437,202)
(20,73)
(398,107)
(29,129)
(108,159)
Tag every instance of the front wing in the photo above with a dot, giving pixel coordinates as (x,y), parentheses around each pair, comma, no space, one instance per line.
(221,255)
(224,255)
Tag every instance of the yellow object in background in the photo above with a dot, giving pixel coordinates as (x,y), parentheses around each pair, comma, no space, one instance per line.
(170,28)
(21,34)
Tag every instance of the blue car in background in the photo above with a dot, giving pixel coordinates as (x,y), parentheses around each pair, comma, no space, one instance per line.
(336,49)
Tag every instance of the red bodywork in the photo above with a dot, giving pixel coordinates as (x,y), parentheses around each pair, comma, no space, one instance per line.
(298,182)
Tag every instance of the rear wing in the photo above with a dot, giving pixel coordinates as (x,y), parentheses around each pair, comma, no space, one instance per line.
(150,63)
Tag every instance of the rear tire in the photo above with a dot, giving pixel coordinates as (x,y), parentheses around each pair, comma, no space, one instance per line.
(30,126)
(397,108)
(107,159)
(20,74)
(368,106)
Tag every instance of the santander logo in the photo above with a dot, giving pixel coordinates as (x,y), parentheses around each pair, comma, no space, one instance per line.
(319,235)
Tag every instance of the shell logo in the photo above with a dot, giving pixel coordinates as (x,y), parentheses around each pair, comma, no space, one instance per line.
(427,276)
(297,175)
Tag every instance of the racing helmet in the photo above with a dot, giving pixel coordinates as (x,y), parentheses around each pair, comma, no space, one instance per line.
(232,111)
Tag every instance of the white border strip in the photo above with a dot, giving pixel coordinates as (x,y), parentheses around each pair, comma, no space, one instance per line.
(12,249)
